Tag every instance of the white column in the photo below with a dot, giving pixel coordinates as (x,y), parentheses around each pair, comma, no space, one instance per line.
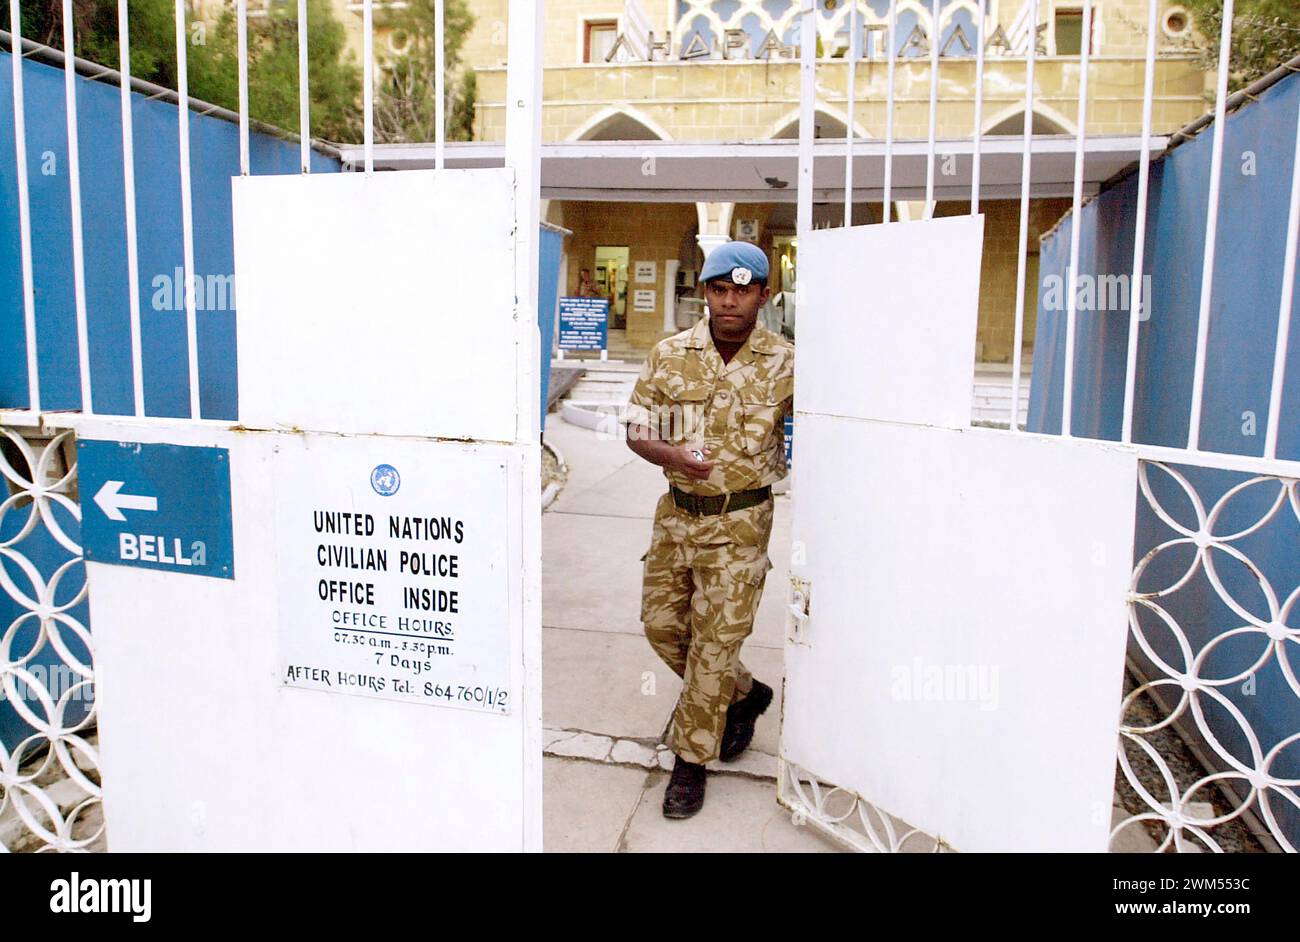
(670,294)
(710,241)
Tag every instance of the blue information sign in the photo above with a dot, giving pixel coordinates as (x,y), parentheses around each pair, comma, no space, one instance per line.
(156,507)
(584,323)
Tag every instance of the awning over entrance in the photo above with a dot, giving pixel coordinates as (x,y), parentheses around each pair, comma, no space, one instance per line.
(764,171)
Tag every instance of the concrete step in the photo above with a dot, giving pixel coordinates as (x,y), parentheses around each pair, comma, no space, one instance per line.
(999,395)
(608,376)
(605,408)
(625,381)
(614,381)
(593,363)
(991,399)
(589,395)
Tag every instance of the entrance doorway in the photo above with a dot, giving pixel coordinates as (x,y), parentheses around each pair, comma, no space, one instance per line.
(785,264)
(611,281)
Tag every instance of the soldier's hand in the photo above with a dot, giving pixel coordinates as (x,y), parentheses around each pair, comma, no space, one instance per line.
(687,464)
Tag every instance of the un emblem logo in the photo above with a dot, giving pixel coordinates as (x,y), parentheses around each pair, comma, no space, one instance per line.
(385,480)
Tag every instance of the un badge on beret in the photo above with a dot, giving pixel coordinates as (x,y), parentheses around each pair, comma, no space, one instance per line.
(741,276)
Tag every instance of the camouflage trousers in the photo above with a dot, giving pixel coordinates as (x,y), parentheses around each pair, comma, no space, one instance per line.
(702,584)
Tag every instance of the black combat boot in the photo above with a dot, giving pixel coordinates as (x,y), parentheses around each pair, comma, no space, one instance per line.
(741,716)
(685,794)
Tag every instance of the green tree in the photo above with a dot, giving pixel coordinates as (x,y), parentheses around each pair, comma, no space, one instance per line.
(151,23)
(212,61)
(333,75)
(460,125)
(1265,34)
(406,97)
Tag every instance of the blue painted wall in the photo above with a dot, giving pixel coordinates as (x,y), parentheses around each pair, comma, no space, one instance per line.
(1246,296)
(214,149)
(1248,266)
(548,293)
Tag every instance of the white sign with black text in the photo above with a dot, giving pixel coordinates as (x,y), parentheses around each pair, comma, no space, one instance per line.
(392,571)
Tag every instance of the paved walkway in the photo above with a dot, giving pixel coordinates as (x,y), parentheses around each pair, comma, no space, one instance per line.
(608,698)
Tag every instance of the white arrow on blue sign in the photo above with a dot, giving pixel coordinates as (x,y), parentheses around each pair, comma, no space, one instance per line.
(157,506)
(112,501)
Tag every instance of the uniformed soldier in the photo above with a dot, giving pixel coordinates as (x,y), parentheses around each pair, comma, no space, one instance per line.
(709,407)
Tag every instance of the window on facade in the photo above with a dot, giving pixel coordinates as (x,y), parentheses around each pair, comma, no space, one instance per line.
(1068,26)
(599,40)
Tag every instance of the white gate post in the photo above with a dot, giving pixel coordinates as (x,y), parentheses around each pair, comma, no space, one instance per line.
(524,156)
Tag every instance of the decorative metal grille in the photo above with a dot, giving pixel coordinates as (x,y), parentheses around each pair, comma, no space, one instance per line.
(848,817)
(1214,632)
(49,764)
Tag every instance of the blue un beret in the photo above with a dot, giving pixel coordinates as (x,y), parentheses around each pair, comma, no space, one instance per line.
(738,262)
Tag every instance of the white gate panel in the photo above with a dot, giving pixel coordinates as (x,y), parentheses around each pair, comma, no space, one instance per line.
(205,747)
(960,592)
(967,602)
(293,702)
(378,303)
(884,322)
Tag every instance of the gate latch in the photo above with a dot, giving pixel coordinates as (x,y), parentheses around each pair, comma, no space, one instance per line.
(798,619)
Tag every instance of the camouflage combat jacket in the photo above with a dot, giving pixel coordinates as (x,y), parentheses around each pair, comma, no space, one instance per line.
(734,412)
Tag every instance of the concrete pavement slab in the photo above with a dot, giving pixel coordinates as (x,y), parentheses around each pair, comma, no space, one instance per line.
(630,490)
(769,622)
(588,456)
(740,815)
(586,805)
(591,572)
(751,762)
(768,665)
(605,683)
(577,745)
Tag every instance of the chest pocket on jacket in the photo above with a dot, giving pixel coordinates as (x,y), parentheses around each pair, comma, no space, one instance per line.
(685,406)
(761,412)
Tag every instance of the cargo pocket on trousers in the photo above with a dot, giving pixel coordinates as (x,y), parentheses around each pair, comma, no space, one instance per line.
(644,588)
(745,577)
(658,565)
(750,569)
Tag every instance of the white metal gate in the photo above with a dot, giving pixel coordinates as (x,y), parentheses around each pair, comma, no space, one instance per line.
(878,549)
(50,782)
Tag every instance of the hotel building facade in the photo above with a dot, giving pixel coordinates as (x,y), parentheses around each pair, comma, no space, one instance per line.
(670,126)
